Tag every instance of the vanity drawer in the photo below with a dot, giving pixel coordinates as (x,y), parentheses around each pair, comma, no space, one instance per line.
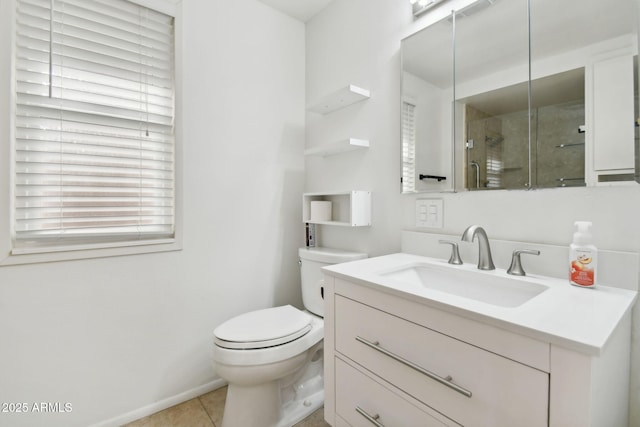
(470,385)
(359,397)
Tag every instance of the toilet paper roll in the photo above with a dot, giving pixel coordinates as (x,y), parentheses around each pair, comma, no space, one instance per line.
(320,211)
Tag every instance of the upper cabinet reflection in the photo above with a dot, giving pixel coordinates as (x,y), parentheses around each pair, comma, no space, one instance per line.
(550,104)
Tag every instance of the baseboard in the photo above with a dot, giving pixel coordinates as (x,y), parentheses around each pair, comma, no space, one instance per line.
(161,405)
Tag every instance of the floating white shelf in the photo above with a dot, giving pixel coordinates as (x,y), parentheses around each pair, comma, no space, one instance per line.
(349,208)
(337,147)
(340,99)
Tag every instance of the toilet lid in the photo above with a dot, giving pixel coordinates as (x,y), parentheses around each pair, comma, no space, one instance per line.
(263,328)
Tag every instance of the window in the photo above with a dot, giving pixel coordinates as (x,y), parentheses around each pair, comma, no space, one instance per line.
(94,152)
(408,148)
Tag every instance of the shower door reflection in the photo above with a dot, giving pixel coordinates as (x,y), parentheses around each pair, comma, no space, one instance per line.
(496,150)
(507,147)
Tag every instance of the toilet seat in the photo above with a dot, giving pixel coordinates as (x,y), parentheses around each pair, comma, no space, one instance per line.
(263,328)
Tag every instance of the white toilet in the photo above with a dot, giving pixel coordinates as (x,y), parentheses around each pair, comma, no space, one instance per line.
(272,358)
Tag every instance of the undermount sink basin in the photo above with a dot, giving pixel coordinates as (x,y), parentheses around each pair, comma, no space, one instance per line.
(477,285)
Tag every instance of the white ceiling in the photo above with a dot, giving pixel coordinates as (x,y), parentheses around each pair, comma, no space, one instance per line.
(302,10)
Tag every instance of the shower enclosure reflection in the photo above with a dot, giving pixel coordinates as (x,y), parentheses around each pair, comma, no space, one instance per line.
(497,150)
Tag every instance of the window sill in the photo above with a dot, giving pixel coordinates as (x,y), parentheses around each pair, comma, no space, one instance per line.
(78,252)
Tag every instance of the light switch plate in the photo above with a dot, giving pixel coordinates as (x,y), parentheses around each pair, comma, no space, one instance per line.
(429,213)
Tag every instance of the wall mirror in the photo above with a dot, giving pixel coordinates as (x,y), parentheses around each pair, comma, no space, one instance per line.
(427,111)
(544,95)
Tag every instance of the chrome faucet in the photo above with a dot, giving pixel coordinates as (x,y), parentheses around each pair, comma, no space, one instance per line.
(485,262)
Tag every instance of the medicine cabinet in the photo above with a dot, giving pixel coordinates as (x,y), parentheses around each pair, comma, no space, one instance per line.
(519,94)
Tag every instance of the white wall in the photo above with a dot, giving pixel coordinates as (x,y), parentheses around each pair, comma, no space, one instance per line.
(114,335)
(358,41)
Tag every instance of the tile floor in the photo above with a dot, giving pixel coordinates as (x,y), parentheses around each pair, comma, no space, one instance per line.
(206,411)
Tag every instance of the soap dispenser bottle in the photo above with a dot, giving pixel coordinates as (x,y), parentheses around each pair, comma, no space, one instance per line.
(583,257)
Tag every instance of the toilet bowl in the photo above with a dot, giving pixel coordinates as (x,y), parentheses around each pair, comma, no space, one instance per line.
(271,383)
(272,358)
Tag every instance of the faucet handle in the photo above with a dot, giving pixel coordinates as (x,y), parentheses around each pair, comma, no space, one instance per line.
(516,266)
(455,255)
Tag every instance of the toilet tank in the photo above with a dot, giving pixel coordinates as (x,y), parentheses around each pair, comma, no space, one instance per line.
(311,262)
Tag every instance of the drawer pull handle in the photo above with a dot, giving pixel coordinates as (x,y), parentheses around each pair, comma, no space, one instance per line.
(445,381)
(373,419)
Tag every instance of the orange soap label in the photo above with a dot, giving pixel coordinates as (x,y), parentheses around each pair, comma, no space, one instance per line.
(581,273)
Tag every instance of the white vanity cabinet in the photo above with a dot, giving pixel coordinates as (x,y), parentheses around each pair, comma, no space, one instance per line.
(362,400)
(395,361)
(467,383)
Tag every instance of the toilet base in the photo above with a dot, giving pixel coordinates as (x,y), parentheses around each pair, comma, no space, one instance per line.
(292,413)
(296,411)
(305,393)
(279,403)
(252,406)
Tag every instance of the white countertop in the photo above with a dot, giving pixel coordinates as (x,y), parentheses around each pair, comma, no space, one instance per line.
(564,315)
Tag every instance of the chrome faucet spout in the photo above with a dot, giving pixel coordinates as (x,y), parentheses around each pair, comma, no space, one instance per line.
(485,262)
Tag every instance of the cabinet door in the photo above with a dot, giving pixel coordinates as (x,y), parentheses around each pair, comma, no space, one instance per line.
(363,402)
(472,386)
(613,115)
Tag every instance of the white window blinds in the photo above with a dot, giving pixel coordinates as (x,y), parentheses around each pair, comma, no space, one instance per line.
(94,117)
(408,147)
